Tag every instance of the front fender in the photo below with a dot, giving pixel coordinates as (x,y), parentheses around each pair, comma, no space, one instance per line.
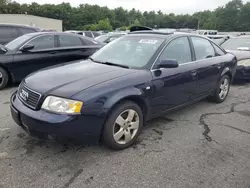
(123,94)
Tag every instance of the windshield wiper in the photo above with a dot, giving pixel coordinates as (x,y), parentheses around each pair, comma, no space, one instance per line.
(118,65)
(109,63)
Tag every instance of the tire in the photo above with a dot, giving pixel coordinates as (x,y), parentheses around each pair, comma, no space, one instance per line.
(218,97)
(128,125)
(4,78)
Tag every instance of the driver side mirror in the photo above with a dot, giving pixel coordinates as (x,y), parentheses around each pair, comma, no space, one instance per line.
(169,63)
(27,48)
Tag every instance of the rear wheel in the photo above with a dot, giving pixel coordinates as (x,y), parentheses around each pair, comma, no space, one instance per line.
(123,126)
(222,89)
(4,78)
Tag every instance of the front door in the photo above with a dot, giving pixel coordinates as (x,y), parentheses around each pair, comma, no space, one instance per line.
(39,57)
(174,86)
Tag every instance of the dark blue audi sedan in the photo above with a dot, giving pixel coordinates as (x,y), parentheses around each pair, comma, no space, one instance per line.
(129,81)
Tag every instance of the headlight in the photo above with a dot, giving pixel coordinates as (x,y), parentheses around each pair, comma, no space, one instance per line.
(245,62)
(62,106)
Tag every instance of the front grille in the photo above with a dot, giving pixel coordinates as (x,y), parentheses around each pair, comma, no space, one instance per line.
(29,97)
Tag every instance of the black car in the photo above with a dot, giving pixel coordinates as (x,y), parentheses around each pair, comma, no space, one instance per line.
(9,32)
(35,51)
(129,81)
(240,47)
(109,37)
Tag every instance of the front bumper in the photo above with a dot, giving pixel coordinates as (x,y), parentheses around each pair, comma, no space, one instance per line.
(43,124)
(242,73)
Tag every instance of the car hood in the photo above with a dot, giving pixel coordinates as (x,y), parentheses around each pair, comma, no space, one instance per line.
(240,55)
(69,79)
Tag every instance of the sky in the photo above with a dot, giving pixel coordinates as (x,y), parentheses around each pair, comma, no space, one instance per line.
(166,6)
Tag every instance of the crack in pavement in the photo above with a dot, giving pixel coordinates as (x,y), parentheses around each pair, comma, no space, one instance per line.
(153,151)
(207,130)
(73,178)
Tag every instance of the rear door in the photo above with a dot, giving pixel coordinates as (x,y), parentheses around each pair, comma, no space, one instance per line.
(209,63)
(7,34)
(174,86)
(39,57)
(71,48)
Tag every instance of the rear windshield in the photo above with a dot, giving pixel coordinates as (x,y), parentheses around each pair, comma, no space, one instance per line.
(18,42)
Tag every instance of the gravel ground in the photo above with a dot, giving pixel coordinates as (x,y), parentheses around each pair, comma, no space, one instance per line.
(203,145)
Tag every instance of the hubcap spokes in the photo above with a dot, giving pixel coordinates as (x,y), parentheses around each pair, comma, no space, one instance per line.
(224,89)
(126,126)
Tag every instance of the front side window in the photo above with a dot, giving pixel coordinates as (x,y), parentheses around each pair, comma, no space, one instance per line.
(132,51)
(178,49)
(68,41)
(203,48)
(43,42)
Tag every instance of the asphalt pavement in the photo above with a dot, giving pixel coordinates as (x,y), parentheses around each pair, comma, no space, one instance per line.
(203,145)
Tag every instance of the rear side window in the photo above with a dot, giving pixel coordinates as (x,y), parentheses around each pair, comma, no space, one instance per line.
(43,42)
(24,30)
(178,49)
(218,51)
(88,34)
(203,48)
(8,32)
(68,41)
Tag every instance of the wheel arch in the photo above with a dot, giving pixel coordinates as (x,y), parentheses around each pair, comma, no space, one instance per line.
(227,71)
(8,72)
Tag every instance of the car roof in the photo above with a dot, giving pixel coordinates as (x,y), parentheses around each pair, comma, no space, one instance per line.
(52,33)
(160,34)
(17,25)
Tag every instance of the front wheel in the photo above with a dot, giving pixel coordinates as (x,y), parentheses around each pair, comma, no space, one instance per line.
(4,78)
(222,89)
(123,126)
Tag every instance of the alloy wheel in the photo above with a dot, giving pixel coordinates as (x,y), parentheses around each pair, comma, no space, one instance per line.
(224,87)
(126,126)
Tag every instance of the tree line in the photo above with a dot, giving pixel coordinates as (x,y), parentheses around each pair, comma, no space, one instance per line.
(233,16)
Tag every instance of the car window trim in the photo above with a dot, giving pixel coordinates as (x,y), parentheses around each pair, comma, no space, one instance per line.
(35,38)
(156,59)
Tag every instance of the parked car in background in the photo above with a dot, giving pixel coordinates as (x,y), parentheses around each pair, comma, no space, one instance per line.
(9,32)
(109,37)
(91,34)
(35,51)
(131,80)
(207,32)
(240,47)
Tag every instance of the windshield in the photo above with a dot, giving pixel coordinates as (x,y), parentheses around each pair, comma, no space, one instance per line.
(235,43)
(17,42)
(131,51)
